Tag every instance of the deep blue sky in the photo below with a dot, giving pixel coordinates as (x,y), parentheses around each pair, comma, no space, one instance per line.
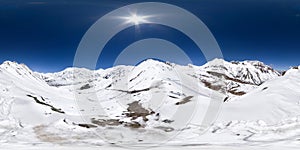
(44,34)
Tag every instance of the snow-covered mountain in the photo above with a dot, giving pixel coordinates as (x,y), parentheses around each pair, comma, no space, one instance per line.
(161,101)
(239,77)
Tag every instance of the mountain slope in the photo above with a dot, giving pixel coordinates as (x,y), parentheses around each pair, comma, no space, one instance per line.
(239,77)
(159,100)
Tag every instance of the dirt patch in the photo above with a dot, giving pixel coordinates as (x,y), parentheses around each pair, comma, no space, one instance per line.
(45,136)
(106,122)
(135,110)
(114,122)
(211,86)
(134,125)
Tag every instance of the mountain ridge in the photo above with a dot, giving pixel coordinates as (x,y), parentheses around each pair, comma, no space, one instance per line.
(8,62)
(239,77)
(161,99)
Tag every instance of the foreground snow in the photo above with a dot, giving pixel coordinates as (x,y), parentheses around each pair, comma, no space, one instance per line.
(281,146)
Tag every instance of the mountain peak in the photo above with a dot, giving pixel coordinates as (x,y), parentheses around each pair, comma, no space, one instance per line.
(9,63)
(153,62)
(292,71)
(14,65)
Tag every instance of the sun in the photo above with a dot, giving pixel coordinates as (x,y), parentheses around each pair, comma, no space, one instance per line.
(136,19)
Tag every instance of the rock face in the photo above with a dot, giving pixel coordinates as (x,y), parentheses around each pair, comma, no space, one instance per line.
(239,77)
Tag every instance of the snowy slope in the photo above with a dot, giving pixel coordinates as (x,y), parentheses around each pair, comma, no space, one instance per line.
(240,77)
(270,113)
(154,102)
(273,101)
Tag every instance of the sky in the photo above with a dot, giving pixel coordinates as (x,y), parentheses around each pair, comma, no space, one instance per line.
(44,34)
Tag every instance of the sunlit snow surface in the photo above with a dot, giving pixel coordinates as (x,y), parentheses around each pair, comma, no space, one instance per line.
(46,111)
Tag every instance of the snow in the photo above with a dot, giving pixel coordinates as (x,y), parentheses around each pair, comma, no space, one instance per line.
(47,110)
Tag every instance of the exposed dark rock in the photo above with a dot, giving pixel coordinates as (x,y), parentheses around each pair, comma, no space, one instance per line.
(173,97)
(235,62)
(136,76)
(132,92)
(45,104)
(226,99)
(219,75)
(168,121)
(238,93)
(184,100)
(87,126)
(108,86)
(176,93)
(84,87)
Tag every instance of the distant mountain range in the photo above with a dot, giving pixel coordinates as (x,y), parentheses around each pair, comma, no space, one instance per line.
(76,104)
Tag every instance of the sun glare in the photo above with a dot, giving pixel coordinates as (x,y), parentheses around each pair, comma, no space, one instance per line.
(136,19)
